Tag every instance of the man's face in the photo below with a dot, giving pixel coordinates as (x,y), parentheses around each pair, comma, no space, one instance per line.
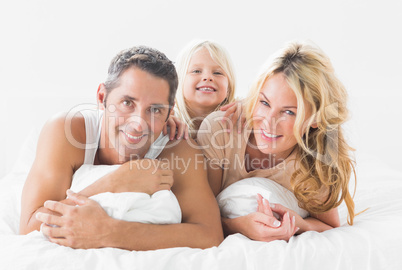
(135,113)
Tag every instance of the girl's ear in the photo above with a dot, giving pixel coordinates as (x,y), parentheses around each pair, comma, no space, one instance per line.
(101,96)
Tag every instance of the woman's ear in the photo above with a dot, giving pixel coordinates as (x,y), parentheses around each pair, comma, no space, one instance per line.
(101,96)
(314,125)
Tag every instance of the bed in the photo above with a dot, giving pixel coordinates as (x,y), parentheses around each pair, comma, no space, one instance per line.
(373,242)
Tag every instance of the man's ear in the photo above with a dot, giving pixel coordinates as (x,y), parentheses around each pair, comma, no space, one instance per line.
(172,108)
(101,96)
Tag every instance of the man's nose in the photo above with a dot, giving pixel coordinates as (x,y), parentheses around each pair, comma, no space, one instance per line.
(137,121)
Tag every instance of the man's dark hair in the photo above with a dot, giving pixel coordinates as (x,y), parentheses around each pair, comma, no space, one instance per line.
(147,59)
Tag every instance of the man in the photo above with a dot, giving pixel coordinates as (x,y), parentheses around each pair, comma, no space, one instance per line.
(136,99)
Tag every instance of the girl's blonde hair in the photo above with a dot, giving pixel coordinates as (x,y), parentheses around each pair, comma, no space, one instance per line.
(321,181)
(221,57)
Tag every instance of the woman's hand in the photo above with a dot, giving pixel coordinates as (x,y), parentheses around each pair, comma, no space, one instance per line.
(234,116)
(315,222)
(177,127)
(281,210)
(262,225)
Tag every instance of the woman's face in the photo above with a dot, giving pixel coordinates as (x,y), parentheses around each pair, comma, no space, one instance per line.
(274,117)
(205,84)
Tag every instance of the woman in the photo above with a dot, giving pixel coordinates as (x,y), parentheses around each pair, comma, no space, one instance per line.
(294,111)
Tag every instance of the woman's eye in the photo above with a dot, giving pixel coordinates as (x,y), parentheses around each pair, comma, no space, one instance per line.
(263,102)
(289,112)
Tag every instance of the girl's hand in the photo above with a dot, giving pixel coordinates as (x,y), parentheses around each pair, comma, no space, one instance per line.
(177,127)
(234,116)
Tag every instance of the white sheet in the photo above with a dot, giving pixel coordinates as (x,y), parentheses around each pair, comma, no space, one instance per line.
(374,242)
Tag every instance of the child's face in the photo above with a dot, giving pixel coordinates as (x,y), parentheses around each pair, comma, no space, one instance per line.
(205,84)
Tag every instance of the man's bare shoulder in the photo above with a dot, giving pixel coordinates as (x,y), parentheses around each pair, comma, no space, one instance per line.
(181,148)
(67,128)
(62,141)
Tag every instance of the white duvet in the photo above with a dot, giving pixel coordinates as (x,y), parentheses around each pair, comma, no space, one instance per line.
(373,242)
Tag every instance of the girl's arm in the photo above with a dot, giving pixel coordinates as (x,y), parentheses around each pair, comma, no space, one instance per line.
(178,128)
(234,116)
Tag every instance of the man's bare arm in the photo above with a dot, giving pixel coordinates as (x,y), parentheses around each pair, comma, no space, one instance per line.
(200,227)
(52,170)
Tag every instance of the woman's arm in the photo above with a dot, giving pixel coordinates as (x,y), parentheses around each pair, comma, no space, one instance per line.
(316,222)
(262,225)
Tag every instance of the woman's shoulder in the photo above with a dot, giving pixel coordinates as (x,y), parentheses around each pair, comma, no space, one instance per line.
(212,123)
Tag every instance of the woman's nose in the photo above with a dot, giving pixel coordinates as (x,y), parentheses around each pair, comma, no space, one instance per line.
(272,120)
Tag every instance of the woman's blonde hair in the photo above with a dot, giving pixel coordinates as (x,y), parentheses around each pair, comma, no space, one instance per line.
(321,180)
(221,57)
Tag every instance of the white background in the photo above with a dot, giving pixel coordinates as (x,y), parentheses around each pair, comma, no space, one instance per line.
(55,53)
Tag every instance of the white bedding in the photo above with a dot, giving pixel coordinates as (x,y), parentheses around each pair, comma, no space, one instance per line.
(240,198)
(160,208)
(374,242)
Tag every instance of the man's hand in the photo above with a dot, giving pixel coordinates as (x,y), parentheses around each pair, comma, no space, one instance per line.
(143,175)
(84,225)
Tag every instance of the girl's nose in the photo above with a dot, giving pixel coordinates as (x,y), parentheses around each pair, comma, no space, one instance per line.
(207,77)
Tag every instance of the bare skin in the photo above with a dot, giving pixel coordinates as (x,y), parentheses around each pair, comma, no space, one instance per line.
(88,226)
(274,113)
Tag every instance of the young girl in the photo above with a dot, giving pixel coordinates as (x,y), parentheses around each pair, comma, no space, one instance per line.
(295,110)
(206,82)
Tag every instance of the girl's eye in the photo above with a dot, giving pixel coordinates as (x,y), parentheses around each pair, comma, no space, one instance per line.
(196,71)
(218,73)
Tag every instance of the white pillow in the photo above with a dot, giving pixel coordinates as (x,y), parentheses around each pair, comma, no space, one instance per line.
(240,198)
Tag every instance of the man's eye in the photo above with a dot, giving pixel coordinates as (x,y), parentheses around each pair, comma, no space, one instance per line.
(127,103)
(155,110)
